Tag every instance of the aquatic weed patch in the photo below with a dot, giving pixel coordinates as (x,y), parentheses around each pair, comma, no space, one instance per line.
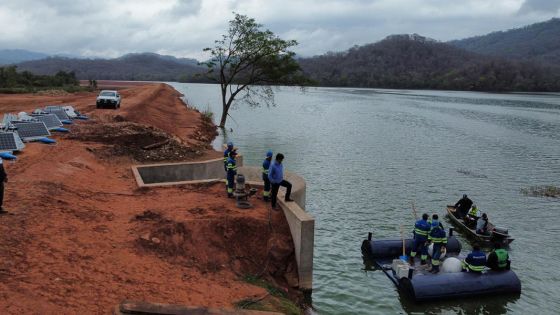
(542,191)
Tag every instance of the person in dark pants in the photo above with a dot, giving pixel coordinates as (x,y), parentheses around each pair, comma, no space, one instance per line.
(265,169)
(3,179)
(231,167)
(462,206)
(438,237)
(276,177)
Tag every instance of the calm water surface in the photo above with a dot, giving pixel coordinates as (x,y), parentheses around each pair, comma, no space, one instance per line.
(367,154)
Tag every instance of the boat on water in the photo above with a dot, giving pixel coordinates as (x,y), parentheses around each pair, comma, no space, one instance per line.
(495,235)
(416,282)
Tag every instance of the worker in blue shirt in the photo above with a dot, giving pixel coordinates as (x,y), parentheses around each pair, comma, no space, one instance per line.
(231,172)
(227,152)
(276,177)
(475,261)
(265,169)
(421,230)
(438,237)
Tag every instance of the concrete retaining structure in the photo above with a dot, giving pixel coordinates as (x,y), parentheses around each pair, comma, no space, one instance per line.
(302,225)
(166,174)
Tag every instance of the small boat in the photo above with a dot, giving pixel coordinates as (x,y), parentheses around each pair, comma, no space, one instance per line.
(496,235)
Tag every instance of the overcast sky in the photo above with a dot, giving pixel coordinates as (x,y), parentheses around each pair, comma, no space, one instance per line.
(110,28)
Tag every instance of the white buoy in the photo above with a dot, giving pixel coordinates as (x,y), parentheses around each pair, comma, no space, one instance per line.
(451,265)
(431,251)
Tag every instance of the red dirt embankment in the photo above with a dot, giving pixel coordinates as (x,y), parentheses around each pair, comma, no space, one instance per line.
(81,237)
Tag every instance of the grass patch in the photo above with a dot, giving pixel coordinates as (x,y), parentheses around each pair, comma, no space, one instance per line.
(542,191)
(275,301)
(30,89)
(207,113)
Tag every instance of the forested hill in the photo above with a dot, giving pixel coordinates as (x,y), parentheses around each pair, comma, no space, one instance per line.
(416,62)
(536,42)
(139,67)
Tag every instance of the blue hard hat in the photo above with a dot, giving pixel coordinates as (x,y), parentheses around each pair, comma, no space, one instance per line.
(230,144)
(269,153)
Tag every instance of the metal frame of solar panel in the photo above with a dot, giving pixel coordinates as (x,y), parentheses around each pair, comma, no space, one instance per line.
(60,113)
(53,107)
(10,141)
(8,118)
(50,120)
(29,131)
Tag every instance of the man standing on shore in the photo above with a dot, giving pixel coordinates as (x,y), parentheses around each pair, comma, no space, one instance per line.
(276,177)
(231,167)
(3,179)
(265,169)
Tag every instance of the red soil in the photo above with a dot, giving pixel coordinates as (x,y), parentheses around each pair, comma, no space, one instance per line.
(81,237)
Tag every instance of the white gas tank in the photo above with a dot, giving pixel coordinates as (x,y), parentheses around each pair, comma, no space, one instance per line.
(451,265)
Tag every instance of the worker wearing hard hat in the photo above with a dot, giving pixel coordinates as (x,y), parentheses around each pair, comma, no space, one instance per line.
(227,152)
(421,230)
(265,169)
(231,167)
(438,237)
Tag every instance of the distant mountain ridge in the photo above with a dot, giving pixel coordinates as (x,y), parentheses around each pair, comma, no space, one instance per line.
(524,59)
(416,62)
(136,66)
(536,42)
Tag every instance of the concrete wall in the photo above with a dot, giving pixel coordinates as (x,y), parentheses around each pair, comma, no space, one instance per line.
(302,225)
(165,174)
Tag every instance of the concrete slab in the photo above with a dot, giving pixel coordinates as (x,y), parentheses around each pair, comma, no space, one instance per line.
(164,174)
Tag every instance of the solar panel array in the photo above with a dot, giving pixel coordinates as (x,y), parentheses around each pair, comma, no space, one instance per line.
(60,113)
(10,141)
(32,130)
(50,120)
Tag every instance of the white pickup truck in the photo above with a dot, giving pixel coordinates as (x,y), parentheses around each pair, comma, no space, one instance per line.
(108,98)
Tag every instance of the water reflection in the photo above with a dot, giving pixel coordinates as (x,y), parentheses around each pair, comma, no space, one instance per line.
(494,305)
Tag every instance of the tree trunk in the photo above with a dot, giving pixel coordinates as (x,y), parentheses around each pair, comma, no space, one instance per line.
(225,108)
(223,119)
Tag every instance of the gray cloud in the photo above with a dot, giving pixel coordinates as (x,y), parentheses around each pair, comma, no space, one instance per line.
(110,28)
(541,6)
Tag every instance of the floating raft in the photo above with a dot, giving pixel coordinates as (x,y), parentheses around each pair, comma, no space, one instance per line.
(422,286)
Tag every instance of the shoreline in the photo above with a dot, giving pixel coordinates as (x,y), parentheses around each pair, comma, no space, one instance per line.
(82,237)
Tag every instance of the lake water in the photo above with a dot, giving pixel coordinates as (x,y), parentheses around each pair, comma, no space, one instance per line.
(367,154)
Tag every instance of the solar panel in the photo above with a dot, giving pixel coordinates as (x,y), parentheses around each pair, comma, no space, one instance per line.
(10,141)
(50,120)
(60,113)
(32,130)
(7,142)
(48,108)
